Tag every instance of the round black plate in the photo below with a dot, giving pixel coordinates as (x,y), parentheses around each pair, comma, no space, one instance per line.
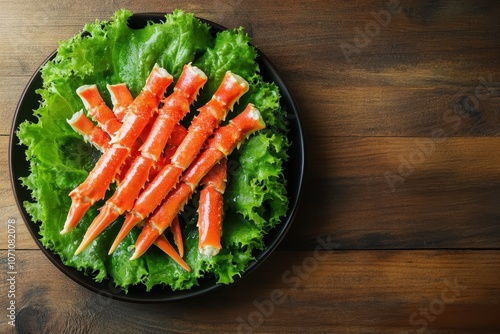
(294,173)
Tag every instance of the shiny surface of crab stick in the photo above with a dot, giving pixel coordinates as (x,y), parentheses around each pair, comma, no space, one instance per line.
(98,109)
(99,179)
(174,108)
(211,209)
(220,146)
(202,126)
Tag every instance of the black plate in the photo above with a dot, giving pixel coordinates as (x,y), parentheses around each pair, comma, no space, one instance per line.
(294,173)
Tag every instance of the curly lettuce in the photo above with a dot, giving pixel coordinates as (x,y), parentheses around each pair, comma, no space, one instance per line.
(112,52)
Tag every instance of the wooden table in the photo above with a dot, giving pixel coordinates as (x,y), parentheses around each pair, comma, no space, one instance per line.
(399,227)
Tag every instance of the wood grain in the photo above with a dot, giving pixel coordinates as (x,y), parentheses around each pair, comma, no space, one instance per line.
(8,207)
(361,291)
(417,193)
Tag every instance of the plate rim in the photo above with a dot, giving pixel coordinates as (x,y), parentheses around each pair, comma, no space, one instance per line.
(106,287)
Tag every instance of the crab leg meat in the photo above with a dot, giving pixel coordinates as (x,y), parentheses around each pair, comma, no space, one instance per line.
(136,118)
(162,243)
(98,109)
(202,126)
(177,233)
(210,210)
(121,99)
(97,135)
(99,138)
(178,134)
(90,133)
(220,146)
(175,107)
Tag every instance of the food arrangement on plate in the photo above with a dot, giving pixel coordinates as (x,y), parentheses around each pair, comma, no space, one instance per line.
(157,157)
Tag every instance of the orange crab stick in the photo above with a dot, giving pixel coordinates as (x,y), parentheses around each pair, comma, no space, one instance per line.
(174,108)
(210,210)
(221,145)
(99,179)
(230,90)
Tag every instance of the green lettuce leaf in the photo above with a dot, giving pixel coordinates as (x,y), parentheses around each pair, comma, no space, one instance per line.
(108,52)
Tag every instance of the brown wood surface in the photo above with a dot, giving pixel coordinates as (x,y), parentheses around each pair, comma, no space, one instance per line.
(403,173)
